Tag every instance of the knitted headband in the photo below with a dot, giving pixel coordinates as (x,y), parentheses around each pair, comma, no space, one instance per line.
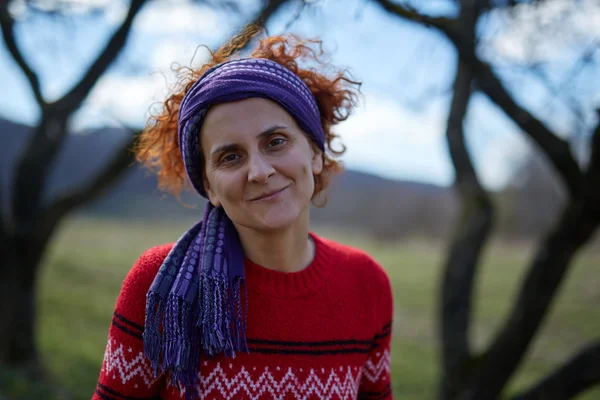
(195,305)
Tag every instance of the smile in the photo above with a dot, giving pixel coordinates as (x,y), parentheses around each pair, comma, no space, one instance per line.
(269,196)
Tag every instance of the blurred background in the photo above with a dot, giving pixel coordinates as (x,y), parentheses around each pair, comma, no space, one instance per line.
(472,175)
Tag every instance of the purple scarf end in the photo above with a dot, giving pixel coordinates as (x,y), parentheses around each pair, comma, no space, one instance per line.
(190,309)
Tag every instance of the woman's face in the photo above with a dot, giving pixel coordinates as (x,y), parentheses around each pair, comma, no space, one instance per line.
(259,165)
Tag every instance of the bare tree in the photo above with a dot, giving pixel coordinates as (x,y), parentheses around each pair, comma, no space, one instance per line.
(465,374)
(27,227)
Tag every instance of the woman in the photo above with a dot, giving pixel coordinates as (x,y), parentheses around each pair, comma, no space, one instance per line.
(249,303)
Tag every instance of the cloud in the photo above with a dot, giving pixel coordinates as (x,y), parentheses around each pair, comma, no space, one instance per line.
(126,100)
(178,18)
(384,138)
(543,31)
(389,118)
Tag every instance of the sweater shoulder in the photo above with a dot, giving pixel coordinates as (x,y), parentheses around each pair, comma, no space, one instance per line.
(364,276)
(147,265)
(131,302)
(359,262)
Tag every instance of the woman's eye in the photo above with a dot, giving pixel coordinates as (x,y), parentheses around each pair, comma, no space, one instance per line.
(229,158)
(276,142)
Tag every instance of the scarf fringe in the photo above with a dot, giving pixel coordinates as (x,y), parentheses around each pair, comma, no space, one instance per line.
(151,337)
(216,332)
(191,315)
(177,349)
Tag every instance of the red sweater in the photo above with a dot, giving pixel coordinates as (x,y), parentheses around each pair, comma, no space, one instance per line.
(320,333)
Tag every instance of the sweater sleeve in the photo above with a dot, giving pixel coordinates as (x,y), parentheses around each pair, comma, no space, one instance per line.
(376,380)
(125,371)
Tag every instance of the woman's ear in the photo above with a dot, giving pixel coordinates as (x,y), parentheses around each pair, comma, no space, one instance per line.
(317,160)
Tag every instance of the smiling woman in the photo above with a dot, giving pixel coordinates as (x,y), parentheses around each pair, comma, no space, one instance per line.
(249,303)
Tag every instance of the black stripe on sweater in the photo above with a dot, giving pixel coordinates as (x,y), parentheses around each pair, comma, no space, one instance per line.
(376,395)
(127,326)
(385,331)
(309,344)
(103,396)
(126,330)
(387,326)
(382,335)
(128,322)
(115,393)
(308,352)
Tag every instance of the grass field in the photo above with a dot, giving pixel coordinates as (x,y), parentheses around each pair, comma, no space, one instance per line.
(89,259)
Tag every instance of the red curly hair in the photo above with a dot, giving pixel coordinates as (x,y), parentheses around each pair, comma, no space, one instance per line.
(336,95)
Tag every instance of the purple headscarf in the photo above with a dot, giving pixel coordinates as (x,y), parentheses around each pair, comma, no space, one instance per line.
(194,306)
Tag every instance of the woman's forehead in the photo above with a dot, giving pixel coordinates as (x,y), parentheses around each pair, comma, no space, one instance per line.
(247,117)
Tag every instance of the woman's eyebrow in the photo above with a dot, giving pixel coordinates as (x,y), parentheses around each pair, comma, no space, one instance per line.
(229,147)
(223,148)
(270,130)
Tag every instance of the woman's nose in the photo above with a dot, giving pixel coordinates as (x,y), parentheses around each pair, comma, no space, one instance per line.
(259,169)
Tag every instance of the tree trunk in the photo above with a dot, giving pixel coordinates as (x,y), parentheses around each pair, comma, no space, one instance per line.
(18,277)
(8,292)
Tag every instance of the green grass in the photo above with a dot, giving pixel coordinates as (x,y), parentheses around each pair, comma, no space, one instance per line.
(89,259)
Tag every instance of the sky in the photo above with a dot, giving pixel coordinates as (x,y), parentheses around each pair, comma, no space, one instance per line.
(398,129)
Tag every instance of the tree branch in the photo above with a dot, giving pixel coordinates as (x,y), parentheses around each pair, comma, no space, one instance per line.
(72,100)
(411,14)
(575,376)
(592,174)
(270,8)
(7,24)
(66,202)
(3,224)
(473,229)
(555,148)
(576,226)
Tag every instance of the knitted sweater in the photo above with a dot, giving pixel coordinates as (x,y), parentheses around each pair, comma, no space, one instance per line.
(320,333)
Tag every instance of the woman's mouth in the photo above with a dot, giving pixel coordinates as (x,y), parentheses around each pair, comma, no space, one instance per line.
(269,195)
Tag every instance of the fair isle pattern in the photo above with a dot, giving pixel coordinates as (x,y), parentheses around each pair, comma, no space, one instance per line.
(339,383)
(286,362)
(378,366)
(125,365)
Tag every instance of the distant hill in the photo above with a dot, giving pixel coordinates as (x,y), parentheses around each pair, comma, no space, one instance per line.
(356,200)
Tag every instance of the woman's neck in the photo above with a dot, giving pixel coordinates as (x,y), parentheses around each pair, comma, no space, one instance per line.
(289,250)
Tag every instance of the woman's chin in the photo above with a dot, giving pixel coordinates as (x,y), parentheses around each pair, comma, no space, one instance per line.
(275,222)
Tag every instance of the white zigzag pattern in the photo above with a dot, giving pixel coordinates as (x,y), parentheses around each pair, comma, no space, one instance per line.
(374,369)
(115,359)
(344,385)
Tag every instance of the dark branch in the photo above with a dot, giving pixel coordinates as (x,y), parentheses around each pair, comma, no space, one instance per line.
(72,100)
(7,24)
(469,239)
(297,14)
(555,148)
(270,8)
(593,169)
(592,174)
(576,226)
(572,378)
(94,187)
(411,14)
(32,170)
(3,225)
